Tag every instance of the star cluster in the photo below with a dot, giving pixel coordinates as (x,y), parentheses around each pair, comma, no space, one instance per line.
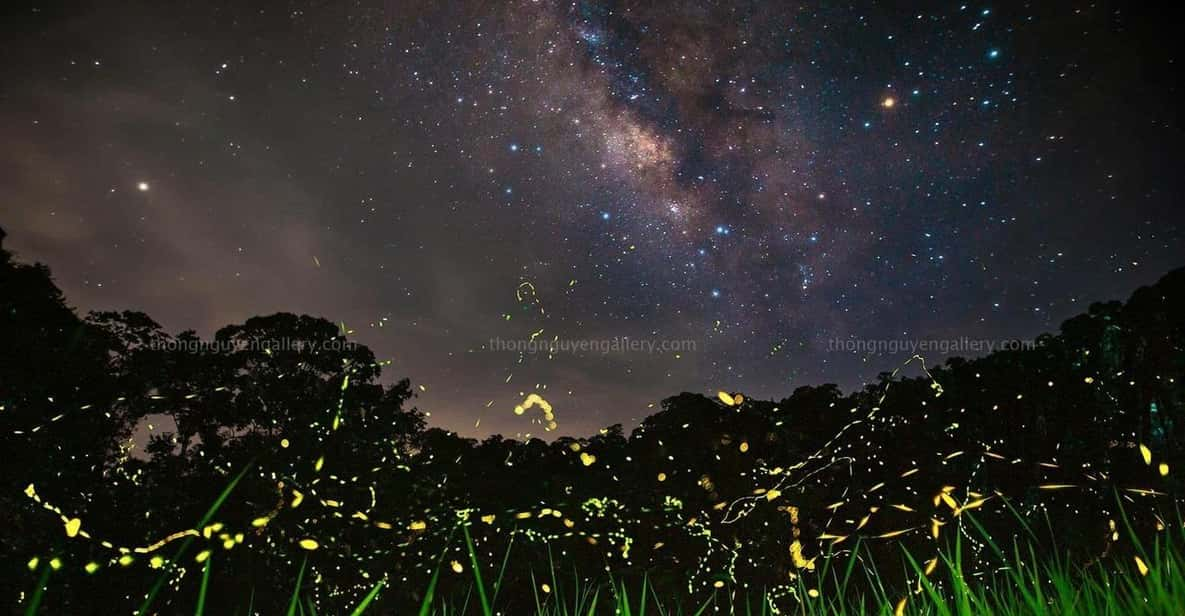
(763,179)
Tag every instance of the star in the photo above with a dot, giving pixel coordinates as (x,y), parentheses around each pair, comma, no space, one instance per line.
(719,170)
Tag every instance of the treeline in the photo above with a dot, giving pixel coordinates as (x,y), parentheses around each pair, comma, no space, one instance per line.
(118,437)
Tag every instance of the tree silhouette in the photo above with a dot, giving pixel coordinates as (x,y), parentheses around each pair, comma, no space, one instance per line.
(136,432)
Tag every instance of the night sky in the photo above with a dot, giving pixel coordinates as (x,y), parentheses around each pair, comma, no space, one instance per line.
(760,179)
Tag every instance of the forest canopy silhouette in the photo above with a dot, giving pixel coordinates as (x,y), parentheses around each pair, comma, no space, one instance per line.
(119,436)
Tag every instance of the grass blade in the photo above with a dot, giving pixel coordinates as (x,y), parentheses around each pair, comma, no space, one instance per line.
(35,600)
(370,596)
(294,604)
(481,589)
(209,515)
(201,602)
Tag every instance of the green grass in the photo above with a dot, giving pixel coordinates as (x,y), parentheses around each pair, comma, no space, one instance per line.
(1134,578)
(1025,584)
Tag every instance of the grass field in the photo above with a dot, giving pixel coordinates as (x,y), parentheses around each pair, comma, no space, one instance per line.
(1147,581)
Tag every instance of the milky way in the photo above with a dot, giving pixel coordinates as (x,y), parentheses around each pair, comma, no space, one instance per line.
(769,182)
